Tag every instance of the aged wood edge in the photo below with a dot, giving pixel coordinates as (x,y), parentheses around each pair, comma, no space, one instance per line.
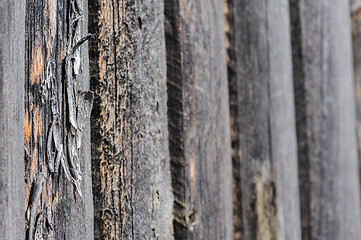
(302,122)
(355,13)
(175,119)
(100,214)
(230,28)
(93,28)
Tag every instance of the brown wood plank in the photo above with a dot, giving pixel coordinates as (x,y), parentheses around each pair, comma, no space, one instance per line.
(325,109)
(12,47)
(265,185)
(58,193)
(198,113)
(130,156)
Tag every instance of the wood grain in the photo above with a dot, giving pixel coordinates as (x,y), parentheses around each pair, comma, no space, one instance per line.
(266,200)
(198,112)
(58,193)
(130,156)
(325,109)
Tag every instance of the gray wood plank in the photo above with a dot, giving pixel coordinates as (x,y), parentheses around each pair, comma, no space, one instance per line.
(130,157)
(12,46)
(58,190)
(356,33)
(198,112)
(263,120)
(325,109)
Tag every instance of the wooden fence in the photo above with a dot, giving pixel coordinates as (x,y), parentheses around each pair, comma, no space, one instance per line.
(180,119)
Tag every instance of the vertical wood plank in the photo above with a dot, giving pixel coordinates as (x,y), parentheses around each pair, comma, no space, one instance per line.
(58,191)
(130,156)
(263,120)
(356,33)
(198,113)
(325,108)
(12,46)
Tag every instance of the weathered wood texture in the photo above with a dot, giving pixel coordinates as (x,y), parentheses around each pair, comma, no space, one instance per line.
(325,110)
(266,199)
(198,113)
(58,191)
(356,33)
(12,46)
(130,157)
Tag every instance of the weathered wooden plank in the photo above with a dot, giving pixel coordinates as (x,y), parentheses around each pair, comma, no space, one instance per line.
(198,113)
(12,46)
(356,33)
(325,109)
(58,191)
(263,120)
(130,156)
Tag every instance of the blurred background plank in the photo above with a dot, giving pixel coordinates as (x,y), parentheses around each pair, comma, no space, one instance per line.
(325,110)
(356,34)
(264,152)
(198,115)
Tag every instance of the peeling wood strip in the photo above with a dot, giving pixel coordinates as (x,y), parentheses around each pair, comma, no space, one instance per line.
(50,153)
(33,205)
(80,42)
(54,29)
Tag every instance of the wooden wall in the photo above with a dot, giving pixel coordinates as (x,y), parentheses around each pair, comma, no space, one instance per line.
(179,119)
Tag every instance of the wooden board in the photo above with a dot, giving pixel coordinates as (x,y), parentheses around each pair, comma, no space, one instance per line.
(58,192)
(198,112)
(325,109)
(130,156)
(356,34)
(265,183)
(12,47)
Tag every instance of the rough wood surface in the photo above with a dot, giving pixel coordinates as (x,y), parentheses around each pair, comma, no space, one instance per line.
(12,47)
(130,156)
(325,109)
(198,113)
(58,192)
(263,120)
